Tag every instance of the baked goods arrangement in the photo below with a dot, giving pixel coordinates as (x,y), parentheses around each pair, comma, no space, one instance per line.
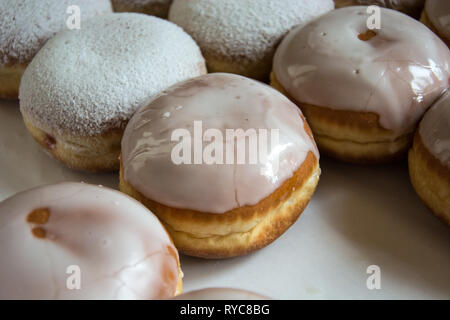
(171,104)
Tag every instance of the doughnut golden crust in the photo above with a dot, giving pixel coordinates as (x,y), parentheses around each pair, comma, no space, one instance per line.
(426,21)
(10,81)
(119,246)
(431,179)
(239,231)
(220,209)
(159,8)
(90,153)
(351,136)
(240,36)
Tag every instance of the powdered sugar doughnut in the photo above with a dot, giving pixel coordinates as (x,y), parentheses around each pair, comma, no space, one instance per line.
(58,238)
(240,36)
(223,207)
(25,26)
(159,8)
(79,91)
(411,7)
(362,91)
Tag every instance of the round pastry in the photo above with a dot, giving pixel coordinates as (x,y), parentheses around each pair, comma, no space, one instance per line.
(436,15)
(240,36)
(218,195)
(80,90)
(411,7)
(220,294)
(362,91)
(79,241)
(429,159)
(25,26)
(159,8)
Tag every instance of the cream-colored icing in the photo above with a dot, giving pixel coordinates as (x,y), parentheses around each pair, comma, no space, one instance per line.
(438,11)
(397,74)
(220,294)
(121,248)
(435,129)
(220,101)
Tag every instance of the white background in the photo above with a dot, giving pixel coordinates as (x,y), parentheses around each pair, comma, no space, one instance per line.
(358,216)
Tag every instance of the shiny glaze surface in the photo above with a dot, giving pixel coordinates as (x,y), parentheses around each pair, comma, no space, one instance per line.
(438,11)
(220,101)
(121,249)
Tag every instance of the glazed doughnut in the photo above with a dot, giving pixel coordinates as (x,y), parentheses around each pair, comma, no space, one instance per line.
(220,208)
(411,7)
(240,36)
(159,8)
(220,294)
(436,15)
(25,26)
(429,159)
(115,245)
(80,90)
(362,91)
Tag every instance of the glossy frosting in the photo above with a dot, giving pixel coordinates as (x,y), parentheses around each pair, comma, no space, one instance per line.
(435,129)
(397,74)
(221,101)
(220,294)
(438,11)
(121,248)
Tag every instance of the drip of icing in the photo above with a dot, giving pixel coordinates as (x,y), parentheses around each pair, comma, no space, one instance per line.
(25,25)
(435,129)
(244,30)
(221,101)
(397,73)
(121,249)
(88,81)
(438,11)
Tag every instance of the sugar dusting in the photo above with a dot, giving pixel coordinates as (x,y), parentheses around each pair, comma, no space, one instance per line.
(88,81)
(26,25)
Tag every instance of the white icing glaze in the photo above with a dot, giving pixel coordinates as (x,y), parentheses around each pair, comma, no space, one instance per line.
(245,30)
(220,294)
(25,25)
(87,81)
(397,74)
(221,101)
(438,11)
(121,248)
(435,129)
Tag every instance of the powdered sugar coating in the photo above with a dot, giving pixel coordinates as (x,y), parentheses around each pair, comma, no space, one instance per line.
(244,30)
(25,25)
(86,82)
